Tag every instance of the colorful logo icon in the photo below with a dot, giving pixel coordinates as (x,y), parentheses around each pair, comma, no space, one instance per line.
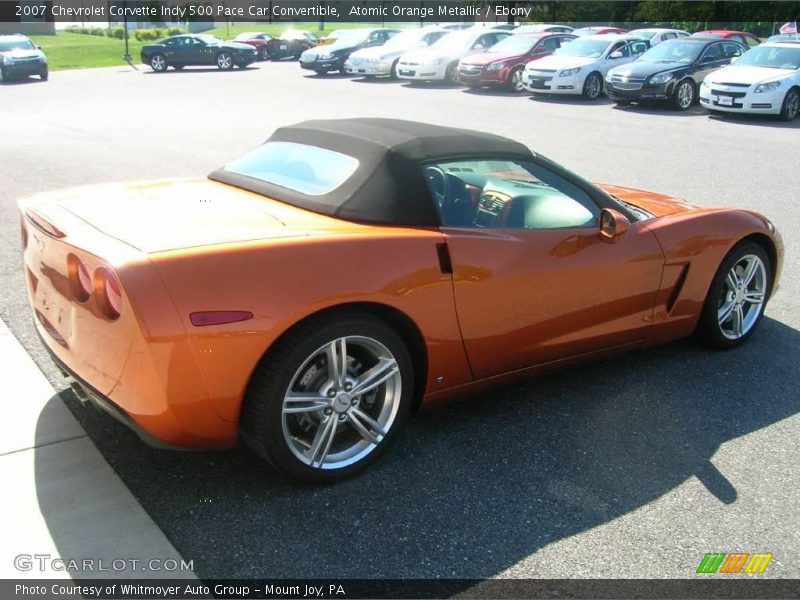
(734,562)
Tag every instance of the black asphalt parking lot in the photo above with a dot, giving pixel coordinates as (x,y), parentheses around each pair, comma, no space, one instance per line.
(632,467)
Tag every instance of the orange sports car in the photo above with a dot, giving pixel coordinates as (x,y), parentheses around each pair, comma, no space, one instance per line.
(312,293)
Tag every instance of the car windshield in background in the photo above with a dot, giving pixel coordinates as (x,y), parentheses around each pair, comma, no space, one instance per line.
(519,44)
(248,36)
(11,45)
(455,41)
(405,39)
(644,33)
(585,31)
(584,47)
(292,34)
(673,51)
(306,169)
(773,58)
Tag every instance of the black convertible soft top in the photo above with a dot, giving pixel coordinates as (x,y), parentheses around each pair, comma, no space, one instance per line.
(388,185)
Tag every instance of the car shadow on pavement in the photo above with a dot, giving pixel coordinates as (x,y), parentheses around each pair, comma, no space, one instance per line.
(747,120)
(430,85)
(569,100)
(197,70)
(500,92)
(471,487)
(22,80)
(660,109)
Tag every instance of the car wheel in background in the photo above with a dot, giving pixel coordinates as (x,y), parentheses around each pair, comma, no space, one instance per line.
(737,297)
(683,95)
(791,105)
(593,86)
(44,75)
(224,61)
(451,74)
(327,399)
(393,71)
(2,75)
(158,62)
(515,83)
(262,53)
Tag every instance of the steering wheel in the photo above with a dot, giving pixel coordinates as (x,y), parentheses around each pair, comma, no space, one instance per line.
(438,185)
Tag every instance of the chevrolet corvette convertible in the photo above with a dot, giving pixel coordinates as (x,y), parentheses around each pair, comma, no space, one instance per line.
(310,294)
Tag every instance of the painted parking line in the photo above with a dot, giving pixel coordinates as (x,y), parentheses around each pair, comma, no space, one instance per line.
(61,498)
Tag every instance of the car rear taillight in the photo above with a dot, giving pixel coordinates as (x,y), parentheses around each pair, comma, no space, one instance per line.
(80,280)
(109,296)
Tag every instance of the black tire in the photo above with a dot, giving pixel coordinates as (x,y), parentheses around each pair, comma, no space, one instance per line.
(709,331)
(262,419)
(158,62)
(684,95)
(44,75)
(592,86)
(393,71)
(451,74)
(224,61)
(623,102)
(263,54)
(514,83)
(3,76)
(791,105)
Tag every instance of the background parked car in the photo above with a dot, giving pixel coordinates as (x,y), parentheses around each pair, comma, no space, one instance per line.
(744,37)
(336,35)
(181,51)
(19,57)
(504,63)
(267,47)
(579,66)
(598,30)
(671,71)
(765,80)
(330,58)
(298,41)
(544,27)
(382,60)
(656,35)
(784,37)
(440,61)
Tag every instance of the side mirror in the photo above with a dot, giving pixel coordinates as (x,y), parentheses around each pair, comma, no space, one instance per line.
(479,47)
(612,224)
(38,47)
(615,54)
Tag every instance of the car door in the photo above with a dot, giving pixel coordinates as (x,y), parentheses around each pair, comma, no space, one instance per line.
(533,279)
(172,48)
(711,59)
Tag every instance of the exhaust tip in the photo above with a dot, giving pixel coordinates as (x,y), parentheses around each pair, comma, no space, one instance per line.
(78,390)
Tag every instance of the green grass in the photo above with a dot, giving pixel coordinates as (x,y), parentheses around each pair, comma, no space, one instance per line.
(66,50)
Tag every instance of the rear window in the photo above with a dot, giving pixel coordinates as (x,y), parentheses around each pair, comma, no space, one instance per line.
(306,169)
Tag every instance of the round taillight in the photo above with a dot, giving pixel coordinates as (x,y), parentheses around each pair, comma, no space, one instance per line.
(110,299)
(80,280)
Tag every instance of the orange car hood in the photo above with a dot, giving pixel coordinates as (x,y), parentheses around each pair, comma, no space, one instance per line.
(656,204)
(171,215)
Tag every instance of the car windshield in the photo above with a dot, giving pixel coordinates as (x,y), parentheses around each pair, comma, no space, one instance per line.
(19,44)
(405,39)
(592,48)
(586,31)
(208,39)
(644,33)
(775,57)
(293,34)
(455,41)
(306,169)
(706,34)
(515,44)
(250,36)
(673,51)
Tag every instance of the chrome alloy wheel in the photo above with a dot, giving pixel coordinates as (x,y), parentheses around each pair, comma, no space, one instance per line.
(158,63)
(594,86)
(517,84)
(224,61)
(341,402)
(792,105)
(742,298)
(685,95)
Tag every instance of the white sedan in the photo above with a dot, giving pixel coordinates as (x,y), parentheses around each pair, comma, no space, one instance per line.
(765,80)
(440,61)
(382,60)
(580,66)
(656,35)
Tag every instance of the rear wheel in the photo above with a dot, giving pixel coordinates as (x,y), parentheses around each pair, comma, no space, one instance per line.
(515,83)
(158,62)
(736,298)
(791,105)
(683,95)
(224,61)
(328,399)
(393,72)
(451,74)
(593,86)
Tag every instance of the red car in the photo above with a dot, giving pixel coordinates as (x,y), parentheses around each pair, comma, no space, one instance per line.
(598,30)
(745,37)
(503,63)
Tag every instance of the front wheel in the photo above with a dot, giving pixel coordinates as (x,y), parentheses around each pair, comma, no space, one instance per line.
(158,62)
(593,86)
(44,75)
(736,298)
(791,105)
(683,95)
(262,53)
(224,61)
(451,74)
(328,399)
(515,83)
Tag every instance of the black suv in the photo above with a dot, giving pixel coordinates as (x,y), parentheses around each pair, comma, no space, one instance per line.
(19,57)
(672,70)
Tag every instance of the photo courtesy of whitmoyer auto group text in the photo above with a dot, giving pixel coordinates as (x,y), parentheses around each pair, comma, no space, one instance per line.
(363,299)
